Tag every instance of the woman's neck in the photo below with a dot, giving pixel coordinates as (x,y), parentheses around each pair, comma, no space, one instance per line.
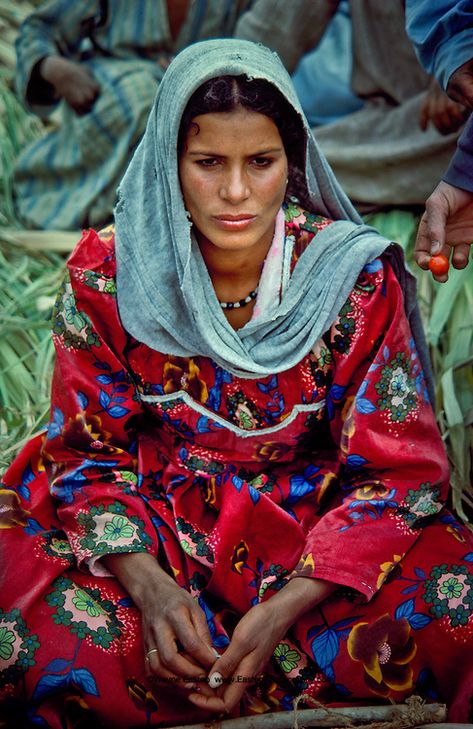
(234,275)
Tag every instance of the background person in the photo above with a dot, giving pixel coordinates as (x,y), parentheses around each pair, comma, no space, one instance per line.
(442,33)
(393,150)
(103,61)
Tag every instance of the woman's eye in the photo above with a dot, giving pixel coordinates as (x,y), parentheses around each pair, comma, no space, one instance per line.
(207,162)
(261,161)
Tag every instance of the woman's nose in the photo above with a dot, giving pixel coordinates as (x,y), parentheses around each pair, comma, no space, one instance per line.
(235,187)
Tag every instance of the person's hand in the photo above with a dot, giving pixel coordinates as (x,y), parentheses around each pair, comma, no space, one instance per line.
(446,115)
(72,82)
(254,641)
(446,224)
(175,631)
(460,84)
(177,646)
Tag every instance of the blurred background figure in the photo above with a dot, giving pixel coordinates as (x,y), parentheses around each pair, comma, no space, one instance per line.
(322,79)
(102,62)
(443,36)
(392,151)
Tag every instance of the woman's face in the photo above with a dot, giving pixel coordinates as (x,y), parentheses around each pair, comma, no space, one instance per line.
(233,173)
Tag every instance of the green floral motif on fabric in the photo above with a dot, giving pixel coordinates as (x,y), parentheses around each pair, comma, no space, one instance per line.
(118,528)
(274,578)
(195,544)
(100,533)
(312,221)
(84,612)
(186,547)
(7,638)
(17,647)
(449,592)
(396,389)
(71,324)
(451,588)
(72,314)
(286,657)
(56,545)
(291,211)
(345,327)
(324,358)
(243,412)
(198,582)
(99,282)
(83,601)
(420,504)
(196,465)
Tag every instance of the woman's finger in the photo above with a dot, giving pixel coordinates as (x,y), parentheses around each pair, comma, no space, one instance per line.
(233,686)
(194,679)
(169,658)
(193,634)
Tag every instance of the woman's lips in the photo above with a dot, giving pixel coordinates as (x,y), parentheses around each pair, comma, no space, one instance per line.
(234,222)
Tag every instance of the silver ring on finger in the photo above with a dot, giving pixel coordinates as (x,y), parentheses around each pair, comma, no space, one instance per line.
(147,655)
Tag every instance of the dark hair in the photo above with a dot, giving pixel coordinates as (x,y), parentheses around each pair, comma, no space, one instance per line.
(226,93)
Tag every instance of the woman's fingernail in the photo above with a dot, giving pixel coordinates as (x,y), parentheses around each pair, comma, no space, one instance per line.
(190,686)
(216,653)
(435,247)
(215,679)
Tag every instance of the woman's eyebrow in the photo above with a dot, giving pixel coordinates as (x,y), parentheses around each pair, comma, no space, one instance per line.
(258,153)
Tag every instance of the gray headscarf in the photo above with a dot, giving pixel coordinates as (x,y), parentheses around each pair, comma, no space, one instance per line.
(165,295)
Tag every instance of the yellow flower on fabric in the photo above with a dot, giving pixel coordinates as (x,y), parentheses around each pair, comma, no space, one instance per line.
(386,569)
(386,649)
(239,557)
(84,602)
(141,696)
(181,373)
(305,566)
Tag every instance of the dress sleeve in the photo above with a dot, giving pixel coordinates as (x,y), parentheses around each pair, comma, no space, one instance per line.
(460,170)
(392,467)
(90,448)
(55,28)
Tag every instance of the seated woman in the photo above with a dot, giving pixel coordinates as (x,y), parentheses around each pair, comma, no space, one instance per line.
(239,495)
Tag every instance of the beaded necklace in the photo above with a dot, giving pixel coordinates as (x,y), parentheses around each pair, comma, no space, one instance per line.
(241,303)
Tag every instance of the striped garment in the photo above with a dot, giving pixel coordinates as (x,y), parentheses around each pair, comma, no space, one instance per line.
(68,178)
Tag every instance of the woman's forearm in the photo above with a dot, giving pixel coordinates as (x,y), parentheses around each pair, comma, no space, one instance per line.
(137,572)
(297,597)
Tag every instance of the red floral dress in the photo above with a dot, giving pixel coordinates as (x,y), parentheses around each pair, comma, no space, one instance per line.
(333,469)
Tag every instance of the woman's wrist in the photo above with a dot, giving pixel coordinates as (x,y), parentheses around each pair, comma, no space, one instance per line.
(137,572)
(298,596)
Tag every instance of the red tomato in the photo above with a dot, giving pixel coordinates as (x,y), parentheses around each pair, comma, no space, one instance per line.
(439,265)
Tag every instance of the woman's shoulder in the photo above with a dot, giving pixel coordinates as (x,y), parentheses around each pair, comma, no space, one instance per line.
(95,252)
(299,219)
(303,225)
